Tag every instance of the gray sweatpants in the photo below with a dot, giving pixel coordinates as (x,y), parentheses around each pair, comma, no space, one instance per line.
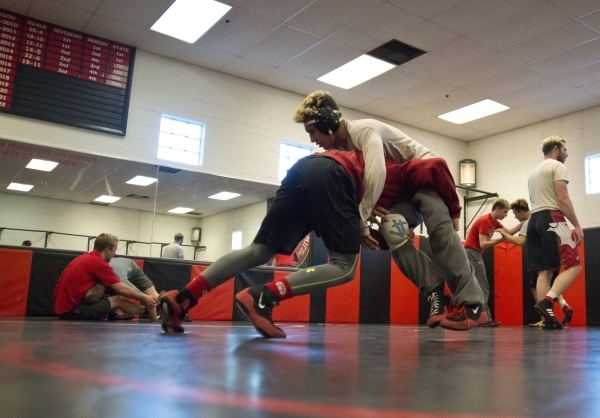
(449,262)
(476,260)
(340,269)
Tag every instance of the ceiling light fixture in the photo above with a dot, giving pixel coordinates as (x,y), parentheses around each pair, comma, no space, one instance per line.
(20,187)
(475,111)
(181,210)
(141,181)
(188,20)
(356,72)
(107,199)
(42,165)
(224,196)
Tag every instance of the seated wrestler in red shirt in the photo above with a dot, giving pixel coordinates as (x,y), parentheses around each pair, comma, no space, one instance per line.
(73,294)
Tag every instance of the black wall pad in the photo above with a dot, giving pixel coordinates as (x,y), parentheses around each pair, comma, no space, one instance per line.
(375,282)
(46,268)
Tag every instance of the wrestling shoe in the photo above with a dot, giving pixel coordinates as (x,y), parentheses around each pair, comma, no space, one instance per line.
(465,317)
(439,303)
(491,324)
(256,303)
(175,304)
(568,315)
(545,308)
(537,324)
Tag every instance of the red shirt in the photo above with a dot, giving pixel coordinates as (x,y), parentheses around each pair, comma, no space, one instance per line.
(485,225)
(77,278)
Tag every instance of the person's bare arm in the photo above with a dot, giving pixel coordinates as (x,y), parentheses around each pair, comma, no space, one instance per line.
(566,207)
(514,229)
(519,240)
(127,292)
(488,243)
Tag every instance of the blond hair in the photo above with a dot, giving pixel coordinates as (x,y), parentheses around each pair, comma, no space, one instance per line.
(500,203)
(104,241)
(549,143)
(312,103)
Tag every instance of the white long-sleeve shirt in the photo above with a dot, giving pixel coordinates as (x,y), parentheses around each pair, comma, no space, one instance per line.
(379,141)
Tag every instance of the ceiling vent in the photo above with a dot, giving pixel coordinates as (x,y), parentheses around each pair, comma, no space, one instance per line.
(168,169)
(99,203)
(396,52)
(137,196)
(194,213)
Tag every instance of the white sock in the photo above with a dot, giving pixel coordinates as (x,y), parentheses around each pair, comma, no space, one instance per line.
(553,295)
(563,303)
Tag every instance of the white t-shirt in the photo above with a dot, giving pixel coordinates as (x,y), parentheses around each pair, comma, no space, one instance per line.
(379,141)
(542,193)
(523,230)
(173,250)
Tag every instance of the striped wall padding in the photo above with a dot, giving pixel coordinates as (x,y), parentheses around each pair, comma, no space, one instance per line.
(379,293)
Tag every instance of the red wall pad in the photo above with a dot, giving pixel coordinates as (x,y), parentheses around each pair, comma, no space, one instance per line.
(343,301)
(575,294)
(296,309)
(216,305)
(15,269)
(508,284)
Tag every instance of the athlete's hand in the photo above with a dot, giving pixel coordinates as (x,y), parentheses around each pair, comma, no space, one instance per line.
(456,223)
(378,211)
(368,242)
(579,236)
(410,234)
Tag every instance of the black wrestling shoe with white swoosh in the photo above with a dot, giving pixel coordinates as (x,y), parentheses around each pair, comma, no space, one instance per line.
(257,304)
(465,317)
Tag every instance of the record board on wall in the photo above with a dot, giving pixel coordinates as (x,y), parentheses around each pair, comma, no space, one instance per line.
(55,74)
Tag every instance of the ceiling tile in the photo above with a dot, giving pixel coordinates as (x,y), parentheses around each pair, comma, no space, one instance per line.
(498,119)
(453,54)
(488,66)
(425,8)
(564,100)
(527,22)
(245,68)
(206,57)
(512,80)
(418,94)
(593,20)
(570,59)
(138,13)
(580,76)
(280,46)
(376,27)
(577,8)
(470,15)
(546,88)
(113,30)
(391,82)
(16,6)
(59,14)
(321,59)
(551,42)
(275,9)
(456,99)
(160,44)
(322,18)
(243,31)
(428,36)
(89,5)
(407,116)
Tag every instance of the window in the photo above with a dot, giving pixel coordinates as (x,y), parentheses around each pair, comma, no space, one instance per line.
(236,240)
(288,155)
(180,141)
(592,174)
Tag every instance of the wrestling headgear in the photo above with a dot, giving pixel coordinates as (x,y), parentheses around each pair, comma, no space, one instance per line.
(326,120)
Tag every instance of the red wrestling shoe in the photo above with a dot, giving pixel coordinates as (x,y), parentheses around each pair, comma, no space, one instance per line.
(257,308)
(465,317)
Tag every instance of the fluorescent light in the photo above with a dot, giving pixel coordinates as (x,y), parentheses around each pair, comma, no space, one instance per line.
(141,181)
(356,71)
(475,111)
(42,165)
(20,187)
(107,199)
(188,20)
(181,210)
(224,196)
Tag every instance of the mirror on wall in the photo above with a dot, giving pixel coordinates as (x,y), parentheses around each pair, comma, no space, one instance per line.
(83,195)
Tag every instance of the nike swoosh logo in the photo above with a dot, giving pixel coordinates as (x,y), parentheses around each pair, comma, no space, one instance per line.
(476,309)
(260,304)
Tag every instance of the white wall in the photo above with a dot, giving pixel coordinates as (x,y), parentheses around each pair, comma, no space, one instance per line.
(505,161)
(35,213)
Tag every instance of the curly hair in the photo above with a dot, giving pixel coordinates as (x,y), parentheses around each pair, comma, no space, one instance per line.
(310,106)
(520,204)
